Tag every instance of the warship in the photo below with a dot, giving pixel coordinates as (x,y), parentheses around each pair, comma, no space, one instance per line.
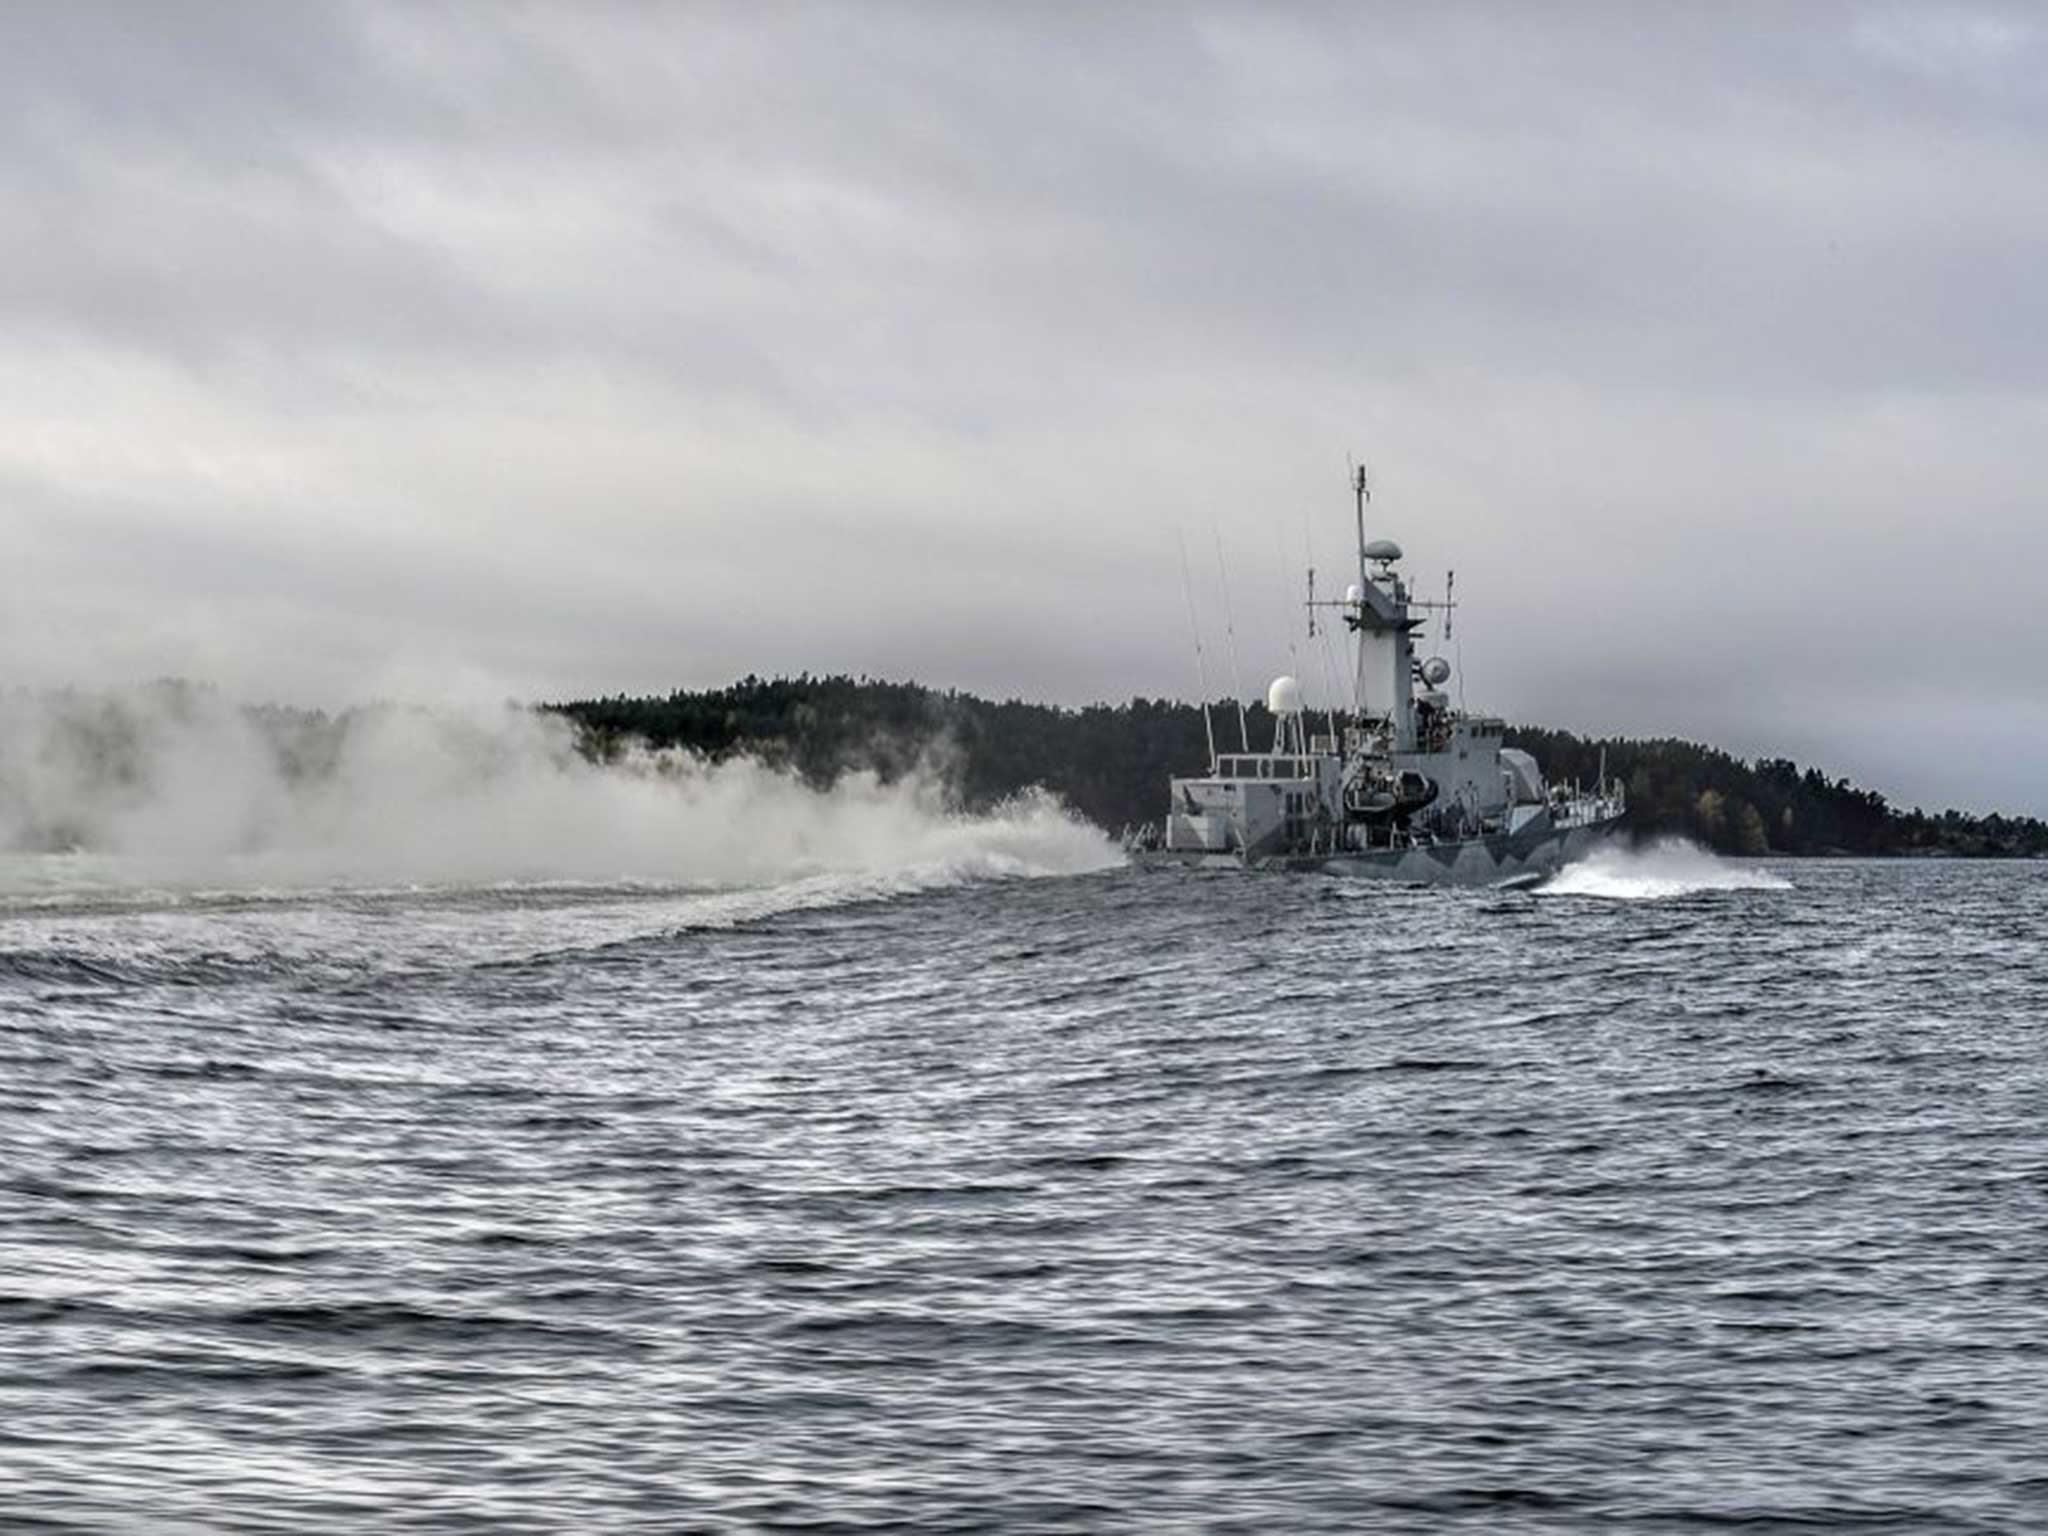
(1401,786)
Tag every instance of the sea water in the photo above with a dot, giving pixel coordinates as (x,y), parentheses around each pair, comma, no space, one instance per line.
(945,1174)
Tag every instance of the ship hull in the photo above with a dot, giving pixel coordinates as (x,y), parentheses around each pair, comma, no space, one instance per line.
(1505,858)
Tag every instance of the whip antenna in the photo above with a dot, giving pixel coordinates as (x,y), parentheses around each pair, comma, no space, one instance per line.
(1457,646)
(1244,730)
(1195,628)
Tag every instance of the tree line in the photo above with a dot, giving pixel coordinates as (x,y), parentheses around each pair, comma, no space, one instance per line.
(1112,762)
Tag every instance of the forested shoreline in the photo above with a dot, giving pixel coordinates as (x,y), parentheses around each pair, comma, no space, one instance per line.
(1111,762)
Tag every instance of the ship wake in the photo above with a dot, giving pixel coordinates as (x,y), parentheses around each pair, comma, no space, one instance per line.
(1658,871)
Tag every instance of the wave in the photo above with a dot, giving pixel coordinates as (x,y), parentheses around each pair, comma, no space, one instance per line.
(179,792)
(1658,871)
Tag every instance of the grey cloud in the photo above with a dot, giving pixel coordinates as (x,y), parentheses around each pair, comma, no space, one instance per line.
(625,346)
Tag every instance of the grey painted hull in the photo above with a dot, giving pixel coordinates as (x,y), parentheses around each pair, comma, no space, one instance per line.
(1476,861)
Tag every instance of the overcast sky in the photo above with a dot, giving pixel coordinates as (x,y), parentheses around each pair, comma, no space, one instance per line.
(568,348)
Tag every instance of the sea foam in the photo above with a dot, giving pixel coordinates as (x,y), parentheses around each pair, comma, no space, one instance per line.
(1656,871)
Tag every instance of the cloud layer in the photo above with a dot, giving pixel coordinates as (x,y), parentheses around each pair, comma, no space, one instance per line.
(620,347)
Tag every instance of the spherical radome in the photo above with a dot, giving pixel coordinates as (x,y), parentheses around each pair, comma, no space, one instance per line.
(1284,697)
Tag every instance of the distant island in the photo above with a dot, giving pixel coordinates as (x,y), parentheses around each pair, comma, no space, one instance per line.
(1111,762)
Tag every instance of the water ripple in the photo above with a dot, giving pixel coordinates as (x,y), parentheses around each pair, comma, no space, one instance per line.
(1122,1201)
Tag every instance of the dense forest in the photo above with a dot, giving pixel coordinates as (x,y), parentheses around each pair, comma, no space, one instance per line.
(1111,762)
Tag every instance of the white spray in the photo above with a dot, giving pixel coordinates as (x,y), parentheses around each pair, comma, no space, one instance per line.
(1668,867)
(176,787)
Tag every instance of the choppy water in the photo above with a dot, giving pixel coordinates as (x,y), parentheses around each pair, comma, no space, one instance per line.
(1113,1200)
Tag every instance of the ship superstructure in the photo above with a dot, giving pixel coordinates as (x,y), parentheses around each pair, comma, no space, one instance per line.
(1403,785)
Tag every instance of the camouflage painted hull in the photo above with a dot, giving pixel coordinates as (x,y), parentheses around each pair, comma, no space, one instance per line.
(1504,858)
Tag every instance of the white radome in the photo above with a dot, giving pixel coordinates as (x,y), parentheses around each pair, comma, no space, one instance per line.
(1284,696)
(1436,671)
(1354,593)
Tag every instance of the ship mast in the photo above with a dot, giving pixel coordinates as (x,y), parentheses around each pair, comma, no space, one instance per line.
(1364,494)
(1383,626)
